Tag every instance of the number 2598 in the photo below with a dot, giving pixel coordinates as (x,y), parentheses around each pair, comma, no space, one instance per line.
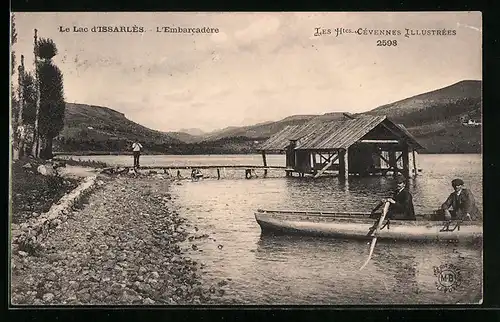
(386,43)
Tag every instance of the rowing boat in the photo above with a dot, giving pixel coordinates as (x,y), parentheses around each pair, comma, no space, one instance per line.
(359,225)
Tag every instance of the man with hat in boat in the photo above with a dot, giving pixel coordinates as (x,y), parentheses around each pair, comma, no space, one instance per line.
(401,203)
(462,203)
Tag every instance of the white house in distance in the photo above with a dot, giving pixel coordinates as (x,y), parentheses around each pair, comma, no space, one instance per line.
(471,122)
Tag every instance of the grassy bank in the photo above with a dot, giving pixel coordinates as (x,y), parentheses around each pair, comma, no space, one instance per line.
(33,193)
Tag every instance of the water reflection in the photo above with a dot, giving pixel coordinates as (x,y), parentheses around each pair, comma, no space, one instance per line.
(306,270)
(402,267)
(269,246)
(332,193)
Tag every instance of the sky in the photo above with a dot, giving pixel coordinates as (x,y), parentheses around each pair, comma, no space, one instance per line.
(258,67)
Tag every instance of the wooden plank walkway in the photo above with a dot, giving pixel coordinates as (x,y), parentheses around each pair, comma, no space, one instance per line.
(249,169)
(186,167)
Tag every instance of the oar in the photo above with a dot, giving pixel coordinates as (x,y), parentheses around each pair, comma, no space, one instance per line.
(375,234)
(380,203)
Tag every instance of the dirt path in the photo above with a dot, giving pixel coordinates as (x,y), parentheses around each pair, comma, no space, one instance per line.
(123,247)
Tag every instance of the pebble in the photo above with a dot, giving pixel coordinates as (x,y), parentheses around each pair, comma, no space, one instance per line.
(148,301)
(84,297)
(48,297)
(52,276)
(73,284)
(130,296)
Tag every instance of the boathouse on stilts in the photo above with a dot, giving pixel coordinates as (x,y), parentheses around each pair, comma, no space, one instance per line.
(361,145)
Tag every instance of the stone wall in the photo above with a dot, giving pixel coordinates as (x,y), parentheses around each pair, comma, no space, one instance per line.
(29,236)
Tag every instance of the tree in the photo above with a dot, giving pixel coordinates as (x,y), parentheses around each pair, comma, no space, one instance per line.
(52,105)
(46,49)
(14,105)
(27,100)
(29,95)
(13,41)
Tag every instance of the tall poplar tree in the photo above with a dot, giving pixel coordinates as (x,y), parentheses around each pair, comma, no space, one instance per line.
(52,105)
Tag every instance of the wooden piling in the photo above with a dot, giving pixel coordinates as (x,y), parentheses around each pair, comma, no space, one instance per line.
(406,162)
(414,162)
(344,164)
(393,163)
(264,161)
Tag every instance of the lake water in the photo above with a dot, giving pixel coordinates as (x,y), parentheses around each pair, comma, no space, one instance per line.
(298,270)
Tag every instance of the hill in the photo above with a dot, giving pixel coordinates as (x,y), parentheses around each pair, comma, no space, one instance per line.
(468,89)
(183,137)
(265,129)
(89,127)
(192,132)
(435,118)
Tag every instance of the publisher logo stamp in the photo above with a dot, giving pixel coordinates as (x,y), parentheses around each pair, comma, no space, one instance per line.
(448,277)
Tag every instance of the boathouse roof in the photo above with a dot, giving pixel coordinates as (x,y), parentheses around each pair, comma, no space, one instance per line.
(335,134)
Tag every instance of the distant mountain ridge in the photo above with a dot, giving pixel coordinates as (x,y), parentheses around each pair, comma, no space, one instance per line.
(434,118)
(468,89)
(192,131)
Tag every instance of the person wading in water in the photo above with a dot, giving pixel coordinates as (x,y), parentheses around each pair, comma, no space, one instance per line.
(136,149)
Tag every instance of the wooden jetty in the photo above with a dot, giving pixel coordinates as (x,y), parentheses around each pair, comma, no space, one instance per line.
(249,169)
(350,145)
(189,167)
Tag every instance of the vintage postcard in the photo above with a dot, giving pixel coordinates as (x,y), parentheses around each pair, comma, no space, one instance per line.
(238,158)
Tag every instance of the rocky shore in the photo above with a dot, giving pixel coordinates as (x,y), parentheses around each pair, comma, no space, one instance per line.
(123,246)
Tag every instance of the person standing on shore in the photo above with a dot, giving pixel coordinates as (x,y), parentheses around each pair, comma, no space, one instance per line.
(136,149)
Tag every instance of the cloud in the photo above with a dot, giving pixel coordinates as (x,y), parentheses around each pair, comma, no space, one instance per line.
(258,29)
(220,37)
(218,92)
(179,96)
(264,91)
(198,104)
(259,35)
